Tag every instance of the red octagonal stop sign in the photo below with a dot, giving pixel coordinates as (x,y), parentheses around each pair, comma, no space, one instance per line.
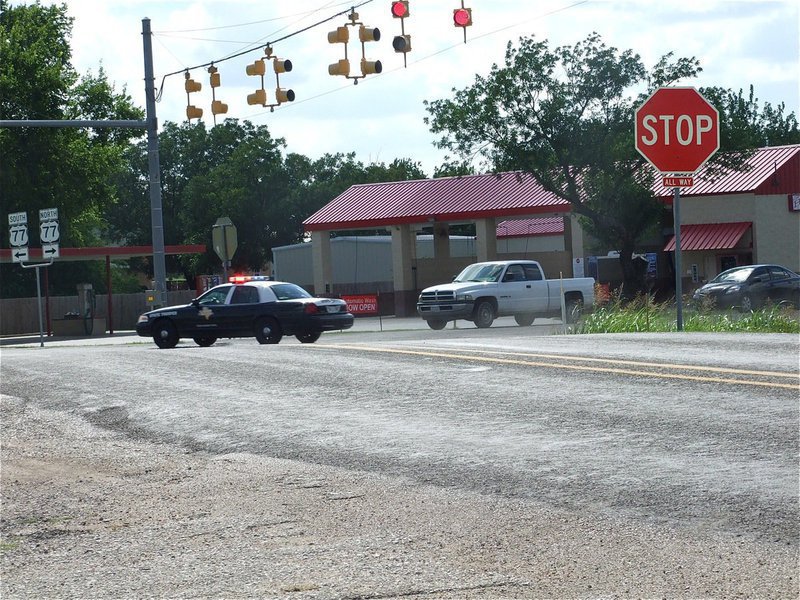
(677,130)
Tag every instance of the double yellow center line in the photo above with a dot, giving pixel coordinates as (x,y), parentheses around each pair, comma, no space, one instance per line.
(582,363)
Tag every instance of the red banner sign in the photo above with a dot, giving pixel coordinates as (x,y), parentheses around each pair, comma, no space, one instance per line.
(366,304)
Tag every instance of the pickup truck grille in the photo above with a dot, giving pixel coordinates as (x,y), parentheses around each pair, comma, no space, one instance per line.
(437,297)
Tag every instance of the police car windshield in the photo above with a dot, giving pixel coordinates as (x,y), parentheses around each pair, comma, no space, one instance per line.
(289,291)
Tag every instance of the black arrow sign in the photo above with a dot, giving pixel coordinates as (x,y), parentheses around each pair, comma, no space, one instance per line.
(50,250)
(19,253)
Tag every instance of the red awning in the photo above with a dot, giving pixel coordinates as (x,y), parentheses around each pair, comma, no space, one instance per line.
(709,236)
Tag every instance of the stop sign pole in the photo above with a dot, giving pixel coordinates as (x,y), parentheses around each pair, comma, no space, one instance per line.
(677,131)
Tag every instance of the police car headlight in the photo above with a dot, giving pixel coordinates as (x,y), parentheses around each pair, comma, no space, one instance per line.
(464,297)
(142,319)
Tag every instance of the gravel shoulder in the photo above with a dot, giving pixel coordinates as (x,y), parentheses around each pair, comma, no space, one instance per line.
(90,513)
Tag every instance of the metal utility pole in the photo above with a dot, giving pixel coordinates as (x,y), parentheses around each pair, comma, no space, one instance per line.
(154,167)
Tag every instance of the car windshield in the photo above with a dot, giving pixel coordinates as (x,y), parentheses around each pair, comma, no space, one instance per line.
(215,295)
(289,291)
(480,272)
(733,276)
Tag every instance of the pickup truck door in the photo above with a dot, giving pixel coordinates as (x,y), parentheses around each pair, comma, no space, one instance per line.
(526,289)
(512,291)
(537,291)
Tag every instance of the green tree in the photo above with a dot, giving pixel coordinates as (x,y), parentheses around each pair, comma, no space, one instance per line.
(566,117)
(745,125)
(562,115)
(66,168)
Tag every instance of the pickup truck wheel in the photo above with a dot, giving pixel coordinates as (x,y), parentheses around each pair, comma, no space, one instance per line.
(436,324)
(574,309)
(524,320)
(483,316)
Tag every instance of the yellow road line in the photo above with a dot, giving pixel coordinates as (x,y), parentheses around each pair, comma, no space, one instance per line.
(572,367)
(635,363)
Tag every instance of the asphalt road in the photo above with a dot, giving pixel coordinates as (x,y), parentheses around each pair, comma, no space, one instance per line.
(695,431)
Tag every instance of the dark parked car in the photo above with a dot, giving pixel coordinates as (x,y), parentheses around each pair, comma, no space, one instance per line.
(751,287)
(249,307)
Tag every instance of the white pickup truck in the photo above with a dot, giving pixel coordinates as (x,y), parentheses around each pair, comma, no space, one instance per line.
(484,291)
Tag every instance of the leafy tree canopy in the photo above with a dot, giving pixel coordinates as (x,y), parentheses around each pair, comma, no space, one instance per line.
(565,116)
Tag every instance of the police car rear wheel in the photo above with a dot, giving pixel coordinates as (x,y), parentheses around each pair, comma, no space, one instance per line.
(205,340)
(165,334)
(268,331)
(308,338)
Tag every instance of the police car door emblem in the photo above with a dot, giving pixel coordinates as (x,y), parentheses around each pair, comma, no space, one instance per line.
(206,313)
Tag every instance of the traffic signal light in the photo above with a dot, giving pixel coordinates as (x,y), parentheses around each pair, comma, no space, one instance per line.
(217,107)
(191,86)
(282,95)
(402,42)
(366,34)
(400,9)
(259,69)
(341,35)
(341,67)
(462,17)
(368,67)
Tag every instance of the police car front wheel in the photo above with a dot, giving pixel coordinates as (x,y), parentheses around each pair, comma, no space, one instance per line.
(165,334)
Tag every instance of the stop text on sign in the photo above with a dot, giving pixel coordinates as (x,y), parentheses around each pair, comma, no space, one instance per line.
(688,129)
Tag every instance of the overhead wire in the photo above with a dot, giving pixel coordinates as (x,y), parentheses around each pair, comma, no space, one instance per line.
(259,46)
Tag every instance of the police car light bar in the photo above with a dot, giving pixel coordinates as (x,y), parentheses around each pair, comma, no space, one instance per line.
(246,278)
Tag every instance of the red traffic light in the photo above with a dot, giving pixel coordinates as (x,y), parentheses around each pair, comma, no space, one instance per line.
(399,10)
(462,17)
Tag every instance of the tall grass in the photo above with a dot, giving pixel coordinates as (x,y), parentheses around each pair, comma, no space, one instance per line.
(642,314)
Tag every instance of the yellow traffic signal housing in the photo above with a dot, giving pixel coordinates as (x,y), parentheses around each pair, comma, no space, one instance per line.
(191,86)
(215,82)
(368,67)
(340,36)
(257,68)
(257,97)
(282,95)
(367,34)
(341,67)
(218,107)
(402,43)
(282,66)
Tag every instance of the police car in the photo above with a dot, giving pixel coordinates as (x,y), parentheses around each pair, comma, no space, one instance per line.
(247,306)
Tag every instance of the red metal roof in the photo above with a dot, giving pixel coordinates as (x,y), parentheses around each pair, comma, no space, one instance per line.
(709,236)
(531,227)
(771,170)
(443,199)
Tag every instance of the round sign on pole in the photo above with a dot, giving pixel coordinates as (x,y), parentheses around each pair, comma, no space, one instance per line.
(677,129)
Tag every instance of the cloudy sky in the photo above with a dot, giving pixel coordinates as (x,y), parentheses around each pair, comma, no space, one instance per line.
(738,43)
